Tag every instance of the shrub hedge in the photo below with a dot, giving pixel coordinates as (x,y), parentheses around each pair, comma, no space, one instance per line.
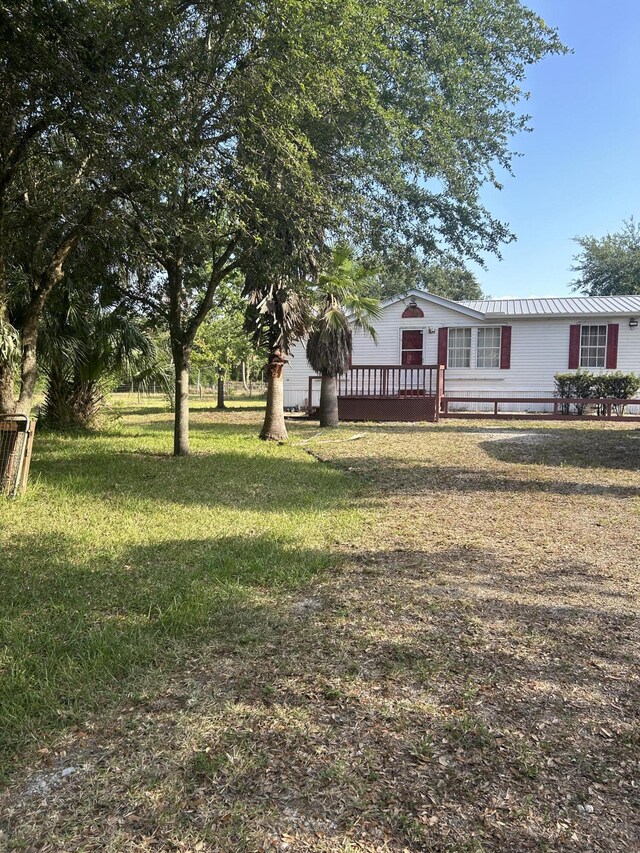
(596,386)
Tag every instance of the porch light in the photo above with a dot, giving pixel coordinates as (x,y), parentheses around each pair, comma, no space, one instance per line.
(633,322)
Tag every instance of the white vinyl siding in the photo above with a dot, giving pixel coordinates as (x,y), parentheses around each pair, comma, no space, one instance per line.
(593,346)
(488,352)
(459,348)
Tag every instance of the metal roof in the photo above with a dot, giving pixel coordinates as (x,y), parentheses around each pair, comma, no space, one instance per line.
(557,306)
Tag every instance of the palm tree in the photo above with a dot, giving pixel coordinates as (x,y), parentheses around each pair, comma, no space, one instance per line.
(277,316)
(276,287)
(86,347)
(344,307)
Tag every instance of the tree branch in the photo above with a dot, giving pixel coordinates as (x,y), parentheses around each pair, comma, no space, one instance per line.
(221,270)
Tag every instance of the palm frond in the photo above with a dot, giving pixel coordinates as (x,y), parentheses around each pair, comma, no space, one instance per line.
(344,306)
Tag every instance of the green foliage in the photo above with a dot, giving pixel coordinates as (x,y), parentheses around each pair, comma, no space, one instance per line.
(445,278)
(586,385)
(618,385)
(448,79)
(9,343)
(452,282)
(217,134)
(343,306)
(61,103)
(579,384)
(222,342)
(88,342)
(609,266)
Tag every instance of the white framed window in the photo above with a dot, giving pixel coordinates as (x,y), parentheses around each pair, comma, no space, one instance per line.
(593,346)
(488,346)
(459,348)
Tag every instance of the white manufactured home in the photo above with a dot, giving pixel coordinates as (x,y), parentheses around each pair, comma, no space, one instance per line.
(499,348)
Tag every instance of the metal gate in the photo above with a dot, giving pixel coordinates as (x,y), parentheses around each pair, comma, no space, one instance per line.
(16,440)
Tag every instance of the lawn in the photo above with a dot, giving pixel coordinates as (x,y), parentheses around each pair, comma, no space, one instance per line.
(427,642)
(119,552)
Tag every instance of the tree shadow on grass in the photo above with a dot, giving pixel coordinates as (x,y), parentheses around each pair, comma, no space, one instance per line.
(73,626)
(426,701)
(262,480)
(612,449)
(394,477)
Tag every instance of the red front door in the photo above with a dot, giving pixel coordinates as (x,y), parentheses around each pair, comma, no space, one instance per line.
(411,347)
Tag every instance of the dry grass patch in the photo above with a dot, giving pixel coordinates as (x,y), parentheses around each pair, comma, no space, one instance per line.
(467,680)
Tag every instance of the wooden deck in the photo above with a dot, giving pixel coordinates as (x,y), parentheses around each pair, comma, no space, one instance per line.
(391,392)
(378,392)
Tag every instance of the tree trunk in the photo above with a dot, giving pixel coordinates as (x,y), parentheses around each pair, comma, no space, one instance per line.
(41,288)
(181,422)
(7,399)
(244,377)
(274,428)
(329,402)
(220,404)
(28,363)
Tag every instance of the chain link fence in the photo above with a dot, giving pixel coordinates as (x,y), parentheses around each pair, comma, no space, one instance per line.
(233,390)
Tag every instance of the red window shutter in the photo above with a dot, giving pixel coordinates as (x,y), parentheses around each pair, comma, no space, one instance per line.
(505,348)
(612,345)
(574,347)
(443,340)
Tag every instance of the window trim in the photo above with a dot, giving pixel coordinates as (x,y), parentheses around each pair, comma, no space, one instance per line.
(604,346)
(497,348)
(468,329)
(473,352)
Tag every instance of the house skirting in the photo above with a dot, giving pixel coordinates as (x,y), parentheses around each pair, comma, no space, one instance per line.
(388,408)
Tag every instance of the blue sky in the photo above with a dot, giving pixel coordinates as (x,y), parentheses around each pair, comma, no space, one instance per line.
(580,173)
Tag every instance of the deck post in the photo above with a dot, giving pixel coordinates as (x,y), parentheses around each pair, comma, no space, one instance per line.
(440,392)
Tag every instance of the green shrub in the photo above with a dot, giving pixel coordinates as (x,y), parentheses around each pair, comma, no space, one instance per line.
(618,386)
(564,388)
(578,384)
(596,386)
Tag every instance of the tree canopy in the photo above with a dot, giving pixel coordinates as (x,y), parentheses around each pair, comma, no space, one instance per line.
(448,279)
(204,138)
(610,265)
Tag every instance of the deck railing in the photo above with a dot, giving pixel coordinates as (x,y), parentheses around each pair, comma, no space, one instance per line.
(380,380)
(383,381)
(555,408)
